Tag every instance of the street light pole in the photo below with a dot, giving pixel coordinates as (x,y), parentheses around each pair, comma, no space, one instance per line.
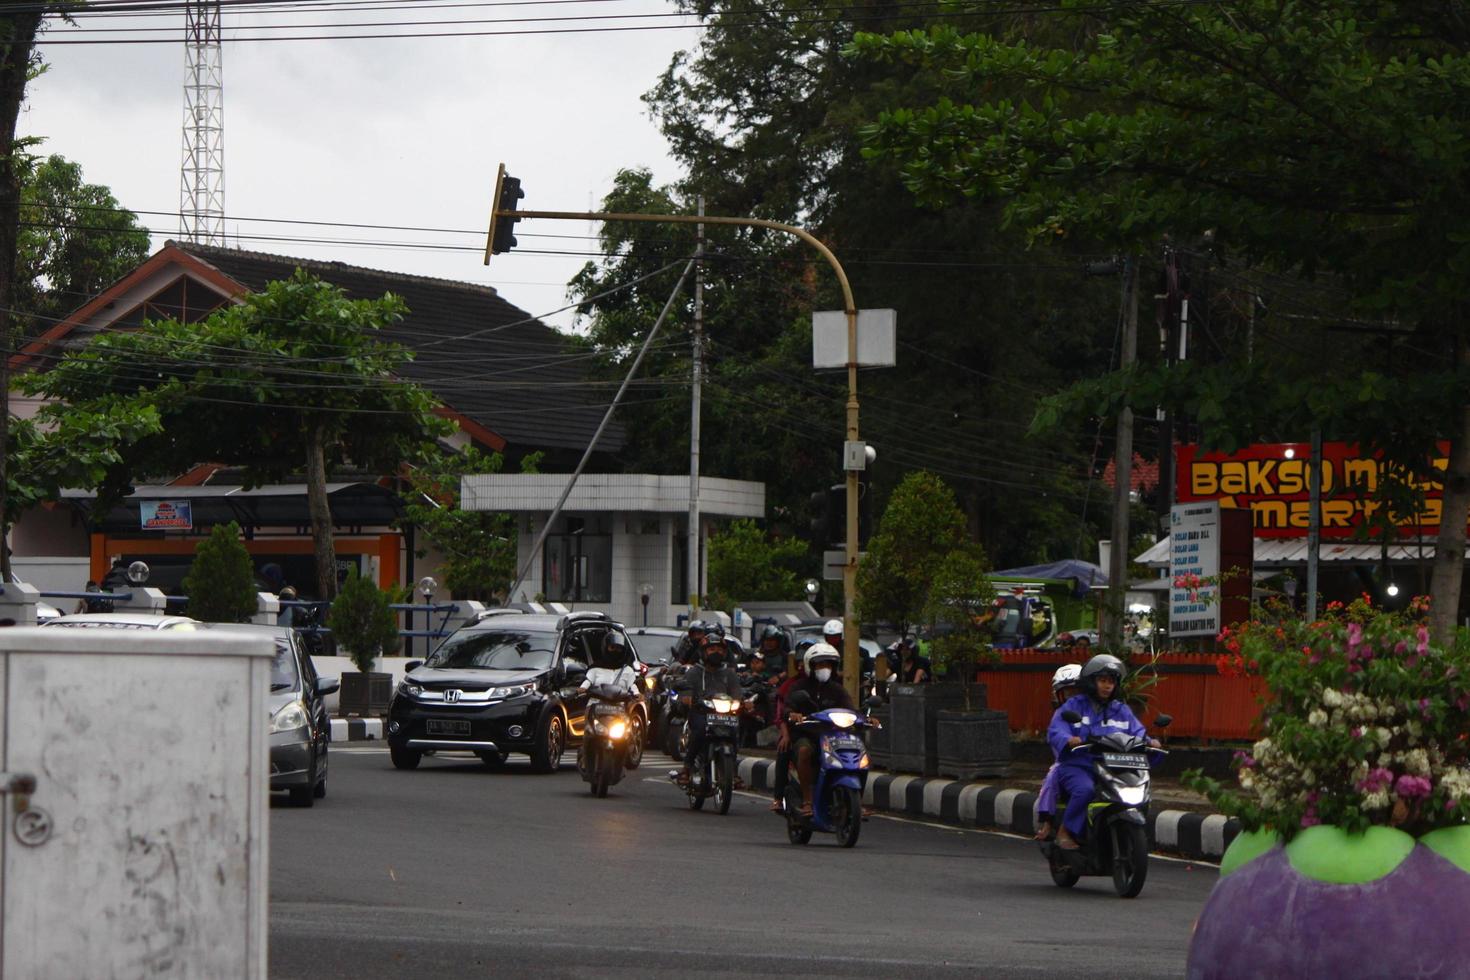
(851,662)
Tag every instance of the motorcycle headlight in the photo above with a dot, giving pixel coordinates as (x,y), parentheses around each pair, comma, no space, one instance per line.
(650,682)
(512,690)
(410,689)
(842,719)
(617,729)
(289,718)
(724,705)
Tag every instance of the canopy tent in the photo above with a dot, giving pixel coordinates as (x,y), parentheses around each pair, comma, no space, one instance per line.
(1084,574)
(273,505)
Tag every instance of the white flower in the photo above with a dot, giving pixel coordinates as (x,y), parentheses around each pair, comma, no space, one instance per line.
(1383,735)
(1376,801)
(1417,762)
(1309,777)
(1317,718)
(1332,697)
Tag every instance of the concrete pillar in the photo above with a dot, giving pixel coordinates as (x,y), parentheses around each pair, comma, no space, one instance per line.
(144,600)
(267,609)
(18,603)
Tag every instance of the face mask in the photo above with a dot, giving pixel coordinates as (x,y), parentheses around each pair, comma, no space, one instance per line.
(714,661)
(824,674)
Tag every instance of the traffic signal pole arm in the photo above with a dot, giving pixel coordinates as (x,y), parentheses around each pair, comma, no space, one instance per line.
(851,652)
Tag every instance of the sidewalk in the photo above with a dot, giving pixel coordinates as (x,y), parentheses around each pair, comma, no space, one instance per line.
(1180,823)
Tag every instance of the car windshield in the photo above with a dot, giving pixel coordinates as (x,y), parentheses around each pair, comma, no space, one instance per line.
(499,649)
(283,670)
(654,649)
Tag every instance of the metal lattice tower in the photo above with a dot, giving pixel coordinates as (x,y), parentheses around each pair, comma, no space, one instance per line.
(202,181)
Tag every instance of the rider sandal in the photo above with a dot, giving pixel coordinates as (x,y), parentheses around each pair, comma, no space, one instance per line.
(778,806)
(806,810)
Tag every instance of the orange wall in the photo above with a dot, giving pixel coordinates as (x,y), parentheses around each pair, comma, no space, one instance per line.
(385,546)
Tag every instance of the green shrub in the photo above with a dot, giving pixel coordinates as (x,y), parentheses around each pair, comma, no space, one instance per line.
(362,623)
(221,582)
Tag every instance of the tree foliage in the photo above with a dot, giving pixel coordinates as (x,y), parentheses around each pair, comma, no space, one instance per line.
(747,564)
(74,240)
(920,528)
(959,611)
(221,581)
(1322,148)
(767,123)
(291,378)
(362,621)
(478,547)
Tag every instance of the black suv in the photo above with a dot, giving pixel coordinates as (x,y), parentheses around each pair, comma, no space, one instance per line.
(508,683)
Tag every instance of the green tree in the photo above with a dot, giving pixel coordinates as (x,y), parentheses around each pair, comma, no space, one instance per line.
(74,240)
(221,581)
(362,621)
(747,564)
(921,526)
(767,123)
(479,547)
(293,377)
(960,598)
(1324,147)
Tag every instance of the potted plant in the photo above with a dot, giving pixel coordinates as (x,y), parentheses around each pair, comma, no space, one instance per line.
(1354,859)
(364,624)
(221,581)
(971,741)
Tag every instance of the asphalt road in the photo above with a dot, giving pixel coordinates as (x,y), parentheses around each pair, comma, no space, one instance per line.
(455,870)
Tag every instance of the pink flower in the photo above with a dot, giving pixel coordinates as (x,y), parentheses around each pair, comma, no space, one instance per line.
(1422,635)
(1376,780)
(1357,731)
(1413,787)
(1310,820)
(1401,648)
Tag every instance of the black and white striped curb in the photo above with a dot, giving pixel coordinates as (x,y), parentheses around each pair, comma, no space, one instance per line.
(966,804)
(356,729)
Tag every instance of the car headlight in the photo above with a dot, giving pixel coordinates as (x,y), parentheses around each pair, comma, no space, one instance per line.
(291,717)
(842,719)
(617,729)
(512,690)
(410,689)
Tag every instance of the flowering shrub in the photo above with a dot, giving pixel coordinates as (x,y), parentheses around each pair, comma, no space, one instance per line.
(1364,722)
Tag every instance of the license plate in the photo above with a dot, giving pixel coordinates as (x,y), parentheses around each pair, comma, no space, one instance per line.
(1125,760)
(846,744)
(720,721)
(440,726)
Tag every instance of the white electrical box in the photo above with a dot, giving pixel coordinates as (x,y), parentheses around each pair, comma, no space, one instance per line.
(141,848)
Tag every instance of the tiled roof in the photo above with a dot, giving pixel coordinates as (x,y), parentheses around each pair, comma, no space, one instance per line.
(1142,475)
(483,357)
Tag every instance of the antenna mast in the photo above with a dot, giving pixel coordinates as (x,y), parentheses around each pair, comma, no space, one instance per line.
(202,179)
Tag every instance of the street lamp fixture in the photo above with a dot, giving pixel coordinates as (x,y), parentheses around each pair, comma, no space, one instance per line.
(645,591)
(1393,589)
(138,572)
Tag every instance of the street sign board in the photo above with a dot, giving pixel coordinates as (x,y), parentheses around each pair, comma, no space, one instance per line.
(877,332)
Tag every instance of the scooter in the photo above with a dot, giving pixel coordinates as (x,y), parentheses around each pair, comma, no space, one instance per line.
(604,754)
(713,773)
(842,773)
(1117,819)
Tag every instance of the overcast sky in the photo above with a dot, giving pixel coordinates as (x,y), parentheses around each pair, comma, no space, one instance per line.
(389,131)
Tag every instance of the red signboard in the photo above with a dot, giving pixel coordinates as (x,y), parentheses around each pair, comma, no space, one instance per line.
(1274,480)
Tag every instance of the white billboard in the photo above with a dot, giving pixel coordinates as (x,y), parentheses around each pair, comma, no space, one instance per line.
(1194,553)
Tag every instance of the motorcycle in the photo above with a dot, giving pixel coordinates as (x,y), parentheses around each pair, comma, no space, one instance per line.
(713,772)
(606,744)
(842,773)
(1117,820)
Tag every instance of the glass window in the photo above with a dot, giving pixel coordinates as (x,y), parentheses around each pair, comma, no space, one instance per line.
(496,649)
(283,668)
(576,563)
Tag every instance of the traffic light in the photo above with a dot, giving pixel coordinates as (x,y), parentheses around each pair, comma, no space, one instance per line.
(829,516)
(508,195)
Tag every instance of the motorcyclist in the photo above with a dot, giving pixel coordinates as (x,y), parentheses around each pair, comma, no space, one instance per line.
(1063,688)
(610,668)
(915,669)
(823,685)
(832,635)
(687,650)
(772,647)
(711,676)
(783,742)
(1102,712)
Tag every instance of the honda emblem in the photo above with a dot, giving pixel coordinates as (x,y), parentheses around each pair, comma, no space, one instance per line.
(451,696)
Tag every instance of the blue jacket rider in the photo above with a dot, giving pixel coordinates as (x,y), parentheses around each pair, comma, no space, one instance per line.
(1103,712)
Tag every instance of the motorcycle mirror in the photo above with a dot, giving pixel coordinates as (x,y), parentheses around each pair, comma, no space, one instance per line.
(1163,721)
(1071,717)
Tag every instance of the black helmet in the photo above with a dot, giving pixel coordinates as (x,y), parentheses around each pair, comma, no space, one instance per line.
(1103,663)
(699,626)
(614,652)
(712,648)
(772,632)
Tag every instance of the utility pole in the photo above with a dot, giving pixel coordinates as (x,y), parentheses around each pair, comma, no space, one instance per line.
(1123,467)
(692,566)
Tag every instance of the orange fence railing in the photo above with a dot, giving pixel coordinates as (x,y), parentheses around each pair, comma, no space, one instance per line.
(1204,703)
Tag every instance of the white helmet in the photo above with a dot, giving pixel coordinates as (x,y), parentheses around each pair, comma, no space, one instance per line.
(819,651)
(833,627)
(1066,676)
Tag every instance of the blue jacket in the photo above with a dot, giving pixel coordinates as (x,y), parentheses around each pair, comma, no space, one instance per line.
(1114,716)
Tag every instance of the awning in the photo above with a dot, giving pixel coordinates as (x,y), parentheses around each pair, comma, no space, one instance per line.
(1283,552)
(273,505)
